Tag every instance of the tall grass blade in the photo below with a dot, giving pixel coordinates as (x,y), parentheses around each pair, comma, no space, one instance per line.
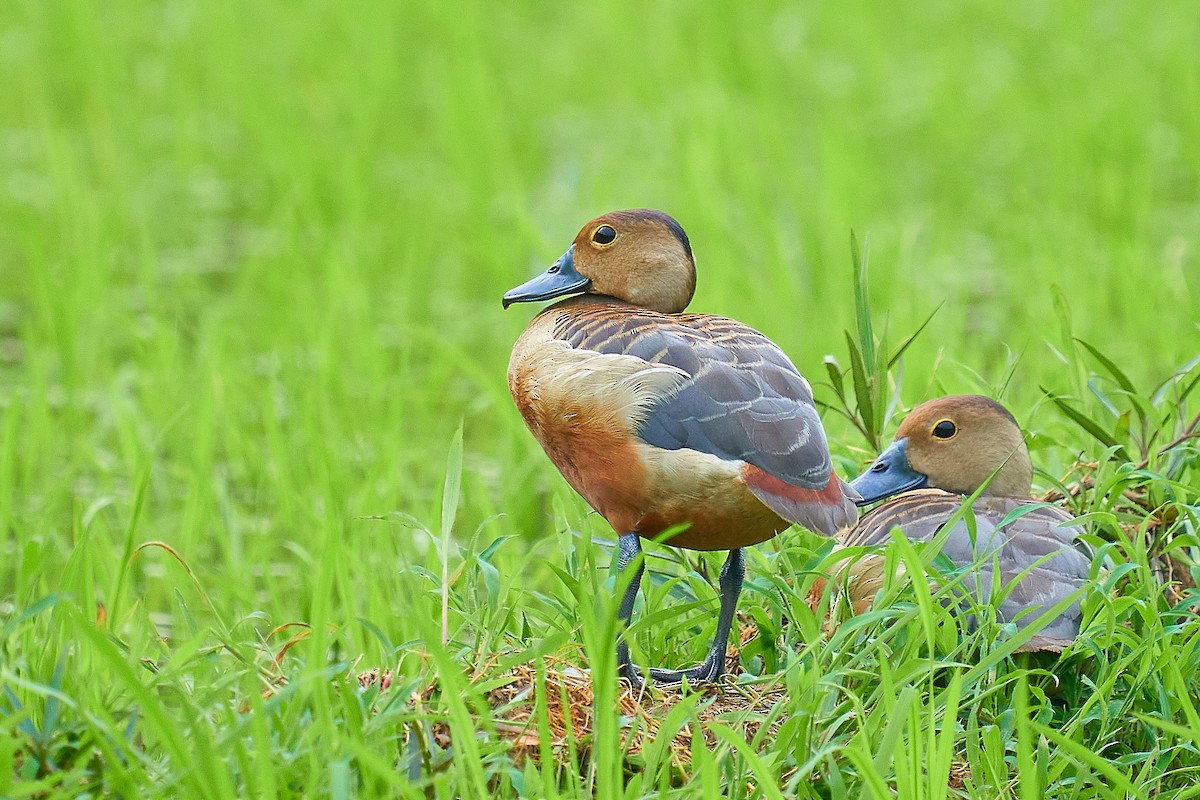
(450,500)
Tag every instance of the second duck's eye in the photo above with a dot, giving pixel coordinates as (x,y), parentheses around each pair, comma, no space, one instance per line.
(604,234)
(945,429)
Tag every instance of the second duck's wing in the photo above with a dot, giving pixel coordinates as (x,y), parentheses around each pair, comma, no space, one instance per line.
(1040,547)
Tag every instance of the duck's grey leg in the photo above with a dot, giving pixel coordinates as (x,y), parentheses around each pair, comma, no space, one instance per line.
(713,667)
(629,548)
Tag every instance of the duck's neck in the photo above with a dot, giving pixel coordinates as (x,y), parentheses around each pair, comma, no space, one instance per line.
(590,300)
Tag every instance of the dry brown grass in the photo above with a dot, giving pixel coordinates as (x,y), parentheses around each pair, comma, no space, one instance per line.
(565,693)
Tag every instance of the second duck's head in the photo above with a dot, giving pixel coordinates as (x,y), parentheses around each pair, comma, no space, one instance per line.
(640,256)
(954,443)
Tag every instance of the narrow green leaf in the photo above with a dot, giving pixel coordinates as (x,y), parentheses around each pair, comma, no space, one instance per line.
(1080,419)
(862,302)
(1026,767)
(139,500)
(1022,510)
(1121,430)
(1094,386)
(450,497)
(1184,732)
(767,779)
(29,612)
(862,392)
(836,379)
(912,336)
(897,719)
(942,744)
(453,485)
(1120,377)
(1062,310)
(1160,391)
(863,761)
(1088,757)
(1183,396)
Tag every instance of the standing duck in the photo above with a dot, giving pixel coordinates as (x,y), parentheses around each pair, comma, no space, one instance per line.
(945,449)
(662,419)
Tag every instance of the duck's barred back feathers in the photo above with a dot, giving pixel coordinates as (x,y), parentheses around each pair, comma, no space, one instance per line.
(743,398)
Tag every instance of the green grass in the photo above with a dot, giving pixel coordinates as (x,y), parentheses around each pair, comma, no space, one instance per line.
(251,258)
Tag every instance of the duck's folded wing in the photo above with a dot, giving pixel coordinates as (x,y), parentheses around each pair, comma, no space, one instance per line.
(1031,531)
(1038,554)
(1045,545)
(743,400)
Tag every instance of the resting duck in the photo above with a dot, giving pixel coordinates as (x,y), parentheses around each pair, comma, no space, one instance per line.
(662,419)
(945,449)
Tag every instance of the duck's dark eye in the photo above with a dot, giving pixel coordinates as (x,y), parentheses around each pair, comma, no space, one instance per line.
(945,429)
(604,234)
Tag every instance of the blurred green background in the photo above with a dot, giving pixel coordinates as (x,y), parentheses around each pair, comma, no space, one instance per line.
(253,253)
(251,260)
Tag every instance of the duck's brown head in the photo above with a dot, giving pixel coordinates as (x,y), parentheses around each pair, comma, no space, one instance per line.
(640,256)
(953,443)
